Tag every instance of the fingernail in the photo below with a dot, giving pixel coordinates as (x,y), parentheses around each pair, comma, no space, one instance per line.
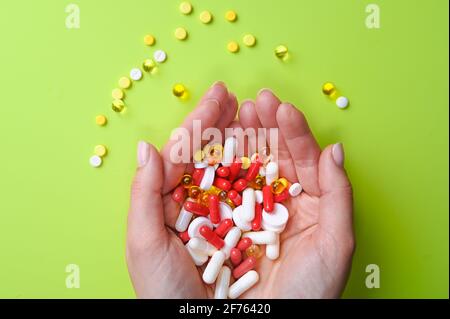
(218,83)
(211,103)
(143,153)
(264,90)
(338,154)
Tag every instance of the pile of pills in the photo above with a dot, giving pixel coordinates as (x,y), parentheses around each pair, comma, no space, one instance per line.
(231,209)
(330,90)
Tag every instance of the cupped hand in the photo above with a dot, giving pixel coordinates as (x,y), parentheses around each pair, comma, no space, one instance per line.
(317,245)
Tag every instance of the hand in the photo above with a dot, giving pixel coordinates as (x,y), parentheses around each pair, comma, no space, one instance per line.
(317,245)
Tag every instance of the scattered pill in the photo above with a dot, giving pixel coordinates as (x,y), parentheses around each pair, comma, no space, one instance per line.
(100,150)
(342,102)
(281,52)
(96,161)
(148,65)
(181,34)
(206,17)
(160,56)
(243,284)
(149,40)
(328,89)
(186,8)
(249,40)
(136,74)
(101,120)
(117,94)
(118,106)
(179,90)
(231,16)
(295,189)
(233,47)
(124,83)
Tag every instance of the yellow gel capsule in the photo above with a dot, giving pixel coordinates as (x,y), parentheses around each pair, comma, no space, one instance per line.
(100,120)
(254,251)
(199,156)
(206,17)
(179,90)
(149,40)
(214,154)
(148,65)
(118,106)
(194,192)
(230,203)
(214,190)
(279,185)
(181,34)
(117,94)
(249,40)
(223,196)
(328,88)
(246,162)
(186,181)
(100,150)
(204,199)
(124,82)
(281,52)
(233,47)
(231,16)
(258,183)
(185,8)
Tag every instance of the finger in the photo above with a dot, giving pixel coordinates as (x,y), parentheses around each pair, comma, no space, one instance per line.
(302,146)
(208,113)
(248,119)
(229,113)
(145,218)
(336,203)
(267,105)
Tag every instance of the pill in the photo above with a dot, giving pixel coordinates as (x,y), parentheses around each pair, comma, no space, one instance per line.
(271,172)
(196,224)
(213,268)
(277,219)
(240,185)
(295,189)
(226,212)
(235,168)
(100,150)
(264,237)
(196,208)
(95,161)
(255,251)
(248,264)
(231,240)
(248,205)
(268,199)
(117,94)
(253,171)
(199,156)
(273,250)
(160,56)
(118,106)
(235,197)
(181,34)
(243,284)
(136,74)
(179,194)
(202,246)
(206,17)
(214,212)
(208,178)
(148,65)
(194,192)
(198,258)
(101,120)
(342,102)
(179,90)
(222,183)
(278,198)
(259,196)
(184,236)
(235,256)
(223,171)
(256,222)
(149,40)
(124,82)
(244,243)
(233,47)
(185,8)
(279,186)
(249,40)
(183,220)
(222,283)
(229,151)
(211,237)
(224,227)
(328,89)
(231,16)
(239,221)
(281,52)
(197,176)
(186,180)
(246,162)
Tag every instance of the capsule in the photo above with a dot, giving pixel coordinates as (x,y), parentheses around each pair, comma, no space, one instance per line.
(240,185)
(202,246)
(256,223)
(196,208)
(223,171)
(186,180)
(222,183)
(211,237)
(248,264)
(243,284)
(231,240)
(235,197)
(224,227)
(253,171)
(222,283)
(235,256)
(248,205)
(183,220)
(262,237)
(279,185)
(194,192)
(281,197)
(244,243)
(214,212)
(268,198)
(213,268)
(197,176)
(235,169)
(179,194)
(255,251)
(223,196)
(271,172)
(258,183)
(184,236)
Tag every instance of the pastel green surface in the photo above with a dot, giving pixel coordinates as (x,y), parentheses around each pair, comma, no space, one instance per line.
(57,210)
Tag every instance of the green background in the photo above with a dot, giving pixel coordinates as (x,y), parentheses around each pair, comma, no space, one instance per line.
(57,210)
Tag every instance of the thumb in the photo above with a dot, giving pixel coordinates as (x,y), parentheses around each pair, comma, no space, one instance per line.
(146,217)
(336,200)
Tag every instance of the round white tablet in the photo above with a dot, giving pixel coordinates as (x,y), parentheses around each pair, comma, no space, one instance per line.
(136,74)
(342,102)
(277,218)
(295,189)
(95,161)
(160,56)
(196,224)
(239,221)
